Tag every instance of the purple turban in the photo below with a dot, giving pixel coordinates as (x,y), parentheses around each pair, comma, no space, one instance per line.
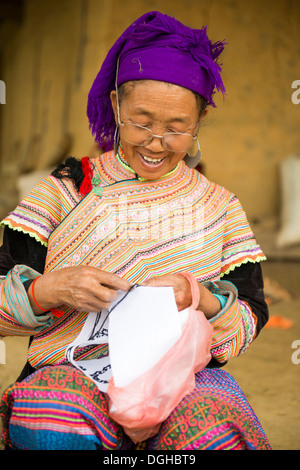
(154,47)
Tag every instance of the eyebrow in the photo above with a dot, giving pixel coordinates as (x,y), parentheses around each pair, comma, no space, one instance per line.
(144,112)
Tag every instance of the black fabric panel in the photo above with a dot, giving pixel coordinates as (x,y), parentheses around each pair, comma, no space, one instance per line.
(20,248)
(248,279)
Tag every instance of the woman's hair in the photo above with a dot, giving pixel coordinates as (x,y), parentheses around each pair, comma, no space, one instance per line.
(125,89)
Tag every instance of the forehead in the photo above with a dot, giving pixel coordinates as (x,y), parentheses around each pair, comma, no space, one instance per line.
(154,98)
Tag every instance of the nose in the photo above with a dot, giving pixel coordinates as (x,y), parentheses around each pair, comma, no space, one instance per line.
(156,144)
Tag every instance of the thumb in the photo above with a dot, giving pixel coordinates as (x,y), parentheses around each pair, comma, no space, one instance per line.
(152,281)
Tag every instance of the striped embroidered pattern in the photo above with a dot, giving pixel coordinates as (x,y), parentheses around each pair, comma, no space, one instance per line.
(43,208)
(138,228)
(49,346)
(59,403)
(16,315)
(66,411)
(215,416)
(238,246)
(234,326)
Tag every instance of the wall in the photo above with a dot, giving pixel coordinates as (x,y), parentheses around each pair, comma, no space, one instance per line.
(51,58)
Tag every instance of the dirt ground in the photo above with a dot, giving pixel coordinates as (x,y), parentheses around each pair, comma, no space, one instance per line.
(266,372)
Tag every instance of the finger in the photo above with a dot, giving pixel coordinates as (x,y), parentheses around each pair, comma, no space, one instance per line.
(180,285)
(160,281)
(113,281)
(93,306)
(105,294)
(92,300)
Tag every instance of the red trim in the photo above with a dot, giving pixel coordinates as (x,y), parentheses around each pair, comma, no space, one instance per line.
(86,185)
(56,313)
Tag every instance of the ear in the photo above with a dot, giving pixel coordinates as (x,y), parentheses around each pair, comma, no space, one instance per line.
(204,114)
(113,99)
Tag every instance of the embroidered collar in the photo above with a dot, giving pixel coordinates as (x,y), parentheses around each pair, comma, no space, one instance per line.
(110,168)
(121,159)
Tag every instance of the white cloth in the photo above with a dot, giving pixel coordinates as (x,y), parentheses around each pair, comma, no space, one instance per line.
(140,327)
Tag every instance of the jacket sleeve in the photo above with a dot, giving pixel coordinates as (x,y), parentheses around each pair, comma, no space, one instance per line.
(22,255)
(240,285)
(244,314)
(22,258)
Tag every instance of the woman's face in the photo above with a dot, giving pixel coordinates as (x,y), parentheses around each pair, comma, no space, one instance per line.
(161,107)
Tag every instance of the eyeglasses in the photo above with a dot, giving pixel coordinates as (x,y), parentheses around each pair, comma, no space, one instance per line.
(142,136)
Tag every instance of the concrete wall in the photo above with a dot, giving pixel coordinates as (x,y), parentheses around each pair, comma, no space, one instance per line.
(50,59)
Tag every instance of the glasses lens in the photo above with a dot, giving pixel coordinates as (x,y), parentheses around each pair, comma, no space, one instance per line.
(177,142)
(136,135)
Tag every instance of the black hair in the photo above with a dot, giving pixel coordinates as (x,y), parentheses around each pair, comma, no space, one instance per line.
(71,169)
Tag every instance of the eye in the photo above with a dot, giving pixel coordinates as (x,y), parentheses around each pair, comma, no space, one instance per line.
(177,128)
(140,123)
(175,131)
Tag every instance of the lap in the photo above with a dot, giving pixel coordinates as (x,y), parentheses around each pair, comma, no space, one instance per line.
(59,404)
(67,403)
(215,416)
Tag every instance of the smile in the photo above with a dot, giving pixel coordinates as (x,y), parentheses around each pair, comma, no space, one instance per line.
(152,161)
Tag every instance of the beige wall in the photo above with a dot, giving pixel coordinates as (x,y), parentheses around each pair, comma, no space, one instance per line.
(50,60)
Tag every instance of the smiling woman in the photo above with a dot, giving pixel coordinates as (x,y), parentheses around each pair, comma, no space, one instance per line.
(89,230)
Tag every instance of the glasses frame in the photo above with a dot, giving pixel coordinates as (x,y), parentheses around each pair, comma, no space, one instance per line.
(162,137)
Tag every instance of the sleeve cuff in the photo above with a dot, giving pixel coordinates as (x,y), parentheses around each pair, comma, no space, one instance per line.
(17,315)
(222,299)
(27,283)
(227,324)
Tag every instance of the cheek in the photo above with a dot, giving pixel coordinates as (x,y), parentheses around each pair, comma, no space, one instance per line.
(177,157)
(125,145)
(128,150)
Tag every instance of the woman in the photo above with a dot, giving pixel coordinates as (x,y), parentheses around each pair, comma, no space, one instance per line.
(137,214)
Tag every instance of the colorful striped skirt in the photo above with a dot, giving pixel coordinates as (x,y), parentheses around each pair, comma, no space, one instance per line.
(59,408)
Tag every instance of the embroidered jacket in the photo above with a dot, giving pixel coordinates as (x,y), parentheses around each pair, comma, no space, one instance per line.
(134,228)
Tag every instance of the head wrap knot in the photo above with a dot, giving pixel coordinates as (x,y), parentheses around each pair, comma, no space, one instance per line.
(154,47)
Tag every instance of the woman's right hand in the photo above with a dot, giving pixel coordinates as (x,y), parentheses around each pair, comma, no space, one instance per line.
(84,288)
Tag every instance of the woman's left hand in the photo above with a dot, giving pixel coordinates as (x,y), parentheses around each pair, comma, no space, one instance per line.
(208,304)
(181,287)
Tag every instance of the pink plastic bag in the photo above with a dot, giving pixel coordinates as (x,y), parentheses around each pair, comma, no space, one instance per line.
(147,401)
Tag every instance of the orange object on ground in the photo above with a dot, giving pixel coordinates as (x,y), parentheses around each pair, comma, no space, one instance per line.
(277,321)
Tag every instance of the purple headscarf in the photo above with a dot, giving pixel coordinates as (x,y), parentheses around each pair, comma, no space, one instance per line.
(154,47)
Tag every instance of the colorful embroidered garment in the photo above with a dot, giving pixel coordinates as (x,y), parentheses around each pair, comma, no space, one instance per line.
(60,408)
(134,228)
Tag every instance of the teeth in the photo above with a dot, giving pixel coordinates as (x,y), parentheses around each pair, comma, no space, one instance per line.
(152,160)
